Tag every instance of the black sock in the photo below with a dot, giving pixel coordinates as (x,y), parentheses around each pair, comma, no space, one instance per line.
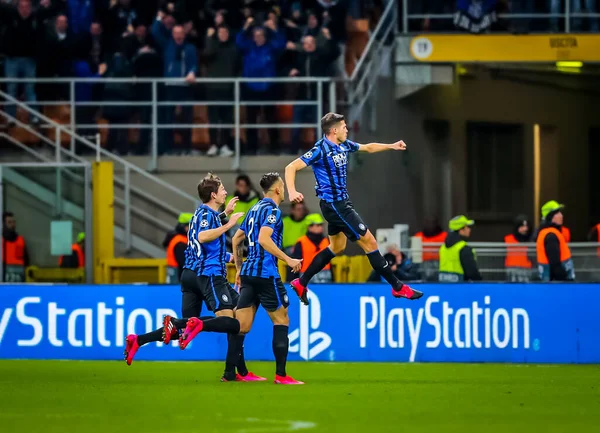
(179,323)
(222,325)
(241,364)
(281,345)
(234,350)
(319,262)
(150,337)
(382,267)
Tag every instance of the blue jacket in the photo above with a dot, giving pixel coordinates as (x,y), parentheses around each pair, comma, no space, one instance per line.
(81,15)
(83,91)
(260,62)
(175,66)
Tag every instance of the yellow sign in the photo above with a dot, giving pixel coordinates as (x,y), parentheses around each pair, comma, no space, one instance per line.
(505,48)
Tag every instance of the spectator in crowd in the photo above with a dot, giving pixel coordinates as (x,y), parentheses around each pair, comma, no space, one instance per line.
(55,59)
(311,61)
(176,249)
(260,61)
(553,253)
(222,60)
(309,245)
(118,113)
(120,21)
(133,42)
(518,266)
(146,63)
(84,94)
(180,61)
(294,226)
(403,267)
(15,257)
(247,195)
(224,12)
(77,257)
(95,45)
(457,259)
(333,16)
(432,233)
(23,26)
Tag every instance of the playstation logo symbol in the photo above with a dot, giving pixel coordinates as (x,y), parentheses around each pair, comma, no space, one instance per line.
(307,340)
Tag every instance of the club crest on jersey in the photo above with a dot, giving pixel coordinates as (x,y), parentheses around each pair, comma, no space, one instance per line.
(204,223)
(271,219)
(339,159)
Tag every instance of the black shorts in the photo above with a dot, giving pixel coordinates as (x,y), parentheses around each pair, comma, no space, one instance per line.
(342,218)
(215,291)
(268,292)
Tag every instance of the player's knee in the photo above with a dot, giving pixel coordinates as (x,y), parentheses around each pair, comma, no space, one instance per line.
(368,242)
(245,327)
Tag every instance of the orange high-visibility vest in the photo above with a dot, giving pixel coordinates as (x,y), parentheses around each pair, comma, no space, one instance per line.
(566,233)
(598,232)
(13,252)
(565,252)
(516,257)
(310,250)
(80,256)
(177,239)
(440,238)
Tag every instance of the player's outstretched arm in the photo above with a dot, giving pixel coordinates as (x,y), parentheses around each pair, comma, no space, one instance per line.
(290,180)
(381,147)
(237,245)
(210,235)
(265,241)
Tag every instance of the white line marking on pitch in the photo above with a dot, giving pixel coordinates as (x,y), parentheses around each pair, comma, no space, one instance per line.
(283,425)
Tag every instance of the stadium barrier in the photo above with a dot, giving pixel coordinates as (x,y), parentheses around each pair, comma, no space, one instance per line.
(520,323)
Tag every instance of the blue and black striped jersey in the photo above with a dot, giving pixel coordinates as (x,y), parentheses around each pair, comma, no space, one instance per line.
(208,258)
(329,162)
(260,263)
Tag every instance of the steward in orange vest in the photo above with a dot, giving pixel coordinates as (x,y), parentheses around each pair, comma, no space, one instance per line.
(176,249)
(309,245)
(432,233)
(553,253)
(15,257)
(518,266)
(77,257)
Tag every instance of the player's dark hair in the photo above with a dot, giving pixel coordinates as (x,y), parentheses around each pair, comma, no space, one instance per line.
(6,215)
(207,186)
(268,180)
(330,120)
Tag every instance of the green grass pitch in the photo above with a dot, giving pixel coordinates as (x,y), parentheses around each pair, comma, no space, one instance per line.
(186,397)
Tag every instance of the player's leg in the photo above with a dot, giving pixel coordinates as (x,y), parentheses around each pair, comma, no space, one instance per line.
(191,304)
(274,299)
(368,243)
(337,244)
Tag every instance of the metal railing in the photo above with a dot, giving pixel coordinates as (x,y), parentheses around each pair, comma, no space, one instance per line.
(566,16)
(491,258)
(157,101)
(62,155)
(361,85)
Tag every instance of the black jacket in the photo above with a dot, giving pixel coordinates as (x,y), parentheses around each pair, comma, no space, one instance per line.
(222,60)
(467,258)
(552,247)
(315,64)
(21,36)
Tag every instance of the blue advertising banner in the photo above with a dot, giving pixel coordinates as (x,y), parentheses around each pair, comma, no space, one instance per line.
(537,323)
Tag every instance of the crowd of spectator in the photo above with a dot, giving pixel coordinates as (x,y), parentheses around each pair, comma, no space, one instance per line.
(182,39)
